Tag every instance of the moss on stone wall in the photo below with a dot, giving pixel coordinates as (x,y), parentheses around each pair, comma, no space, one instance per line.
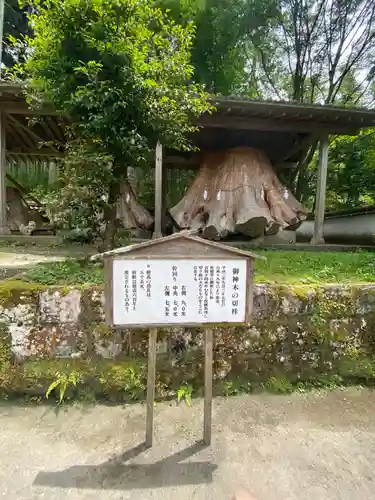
(13,293)
(299,335)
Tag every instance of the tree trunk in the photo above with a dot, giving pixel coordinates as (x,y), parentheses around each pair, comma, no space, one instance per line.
(237,192)
(130,212)
(109,217)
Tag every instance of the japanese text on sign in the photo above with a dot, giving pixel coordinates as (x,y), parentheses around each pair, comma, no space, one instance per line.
(162,292)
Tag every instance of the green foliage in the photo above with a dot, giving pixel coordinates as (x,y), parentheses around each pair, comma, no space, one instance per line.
(6,366)
(69,272)
(62,382)
(351,175)
(120,71)
(128,379)
(220,52)
(16,26)
(279,385)
(184,393)
(289,266)
(281,266)
(323,381)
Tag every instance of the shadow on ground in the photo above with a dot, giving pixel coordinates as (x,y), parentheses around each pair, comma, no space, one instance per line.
(116,474)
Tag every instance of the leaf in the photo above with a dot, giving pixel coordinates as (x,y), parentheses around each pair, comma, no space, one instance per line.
(63,387)
(52,386)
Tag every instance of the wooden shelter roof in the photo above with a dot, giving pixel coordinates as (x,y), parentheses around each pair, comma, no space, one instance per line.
(268,116)
(27,137)
(281,129)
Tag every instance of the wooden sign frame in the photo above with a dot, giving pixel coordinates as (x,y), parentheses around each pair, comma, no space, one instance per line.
(108,291)
(181,246)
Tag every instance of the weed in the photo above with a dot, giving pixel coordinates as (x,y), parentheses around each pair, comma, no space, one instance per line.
(279,385)
(184,393)
(62,382)
(68,272)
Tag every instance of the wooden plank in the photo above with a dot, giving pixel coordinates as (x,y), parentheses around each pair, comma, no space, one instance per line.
(151,372)
(23,139)
(23,190)
(268,125)
(250,289)
(37,153)
(23,129)
(22,108)
(178,244)
(317,237)
(208,360)
(108,291)
(158,191)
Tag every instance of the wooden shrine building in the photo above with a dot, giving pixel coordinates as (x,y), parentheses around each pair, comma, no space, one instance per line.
(282,130)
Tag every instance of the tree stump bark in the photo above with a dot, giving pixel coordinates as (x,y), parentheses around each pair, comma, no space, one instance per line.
(130,212)
(237,192)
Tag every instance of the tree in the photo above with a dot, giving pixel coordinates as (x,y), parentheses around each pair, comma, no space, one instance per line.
(223,31)
(352,174)
(120,71)
(317,51)
(237,192)
(16,26)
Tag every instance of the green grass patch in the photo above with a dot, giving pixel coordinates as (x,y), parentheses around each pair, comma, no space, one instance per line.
(67,272)
(281,267)
(304,267)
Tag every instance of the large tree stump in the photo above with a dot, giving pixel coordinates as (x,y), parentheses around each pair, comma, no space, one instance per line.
(130,212)
(237,192)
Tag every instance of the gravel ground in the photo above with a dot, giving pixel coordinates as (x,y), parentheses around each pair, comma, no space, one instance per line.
(304,446)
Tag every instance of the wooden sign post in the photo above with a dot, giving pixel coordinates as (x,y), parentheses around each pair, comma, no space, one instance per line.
(179,280)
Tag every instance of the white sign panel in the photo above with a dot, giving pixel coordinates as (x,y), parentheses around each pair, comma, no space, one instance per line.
(167,292)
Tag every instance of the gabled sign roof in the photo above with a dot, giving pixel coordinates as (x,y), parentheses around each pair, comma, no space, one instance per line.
(188,236)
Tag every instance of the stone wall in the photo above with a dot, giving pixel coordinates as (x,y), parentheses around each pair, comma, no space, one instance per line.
(297,333)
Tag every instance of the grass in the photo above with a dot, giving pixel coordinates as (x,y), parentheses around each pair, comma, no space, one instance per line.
(281,267)
(67,272)
(304,267)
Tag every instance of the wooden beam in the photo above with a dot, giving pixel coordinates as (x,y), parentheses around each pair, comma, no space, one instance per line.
(158,191)
(28,130)
(182,162)
(208,362)
(269,125)
(42,153)
(23,190)
(317,237)
(151,372)
(18,131)
(22,108)
(55,128)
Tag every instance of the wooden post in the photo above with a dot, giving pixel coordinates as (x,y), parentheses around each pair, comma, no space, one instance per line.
(158,191)
(164,199)
(151,385)
(4,229)
(317,237)
(208,359)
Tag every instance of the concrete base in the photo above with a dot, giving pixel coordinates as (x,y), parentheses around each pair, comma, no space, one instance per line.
(4,230)
(320,241)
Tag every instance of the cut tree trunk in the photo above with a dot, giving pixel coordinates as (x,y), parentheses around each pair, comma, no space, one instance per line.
(130,212)
(237,192)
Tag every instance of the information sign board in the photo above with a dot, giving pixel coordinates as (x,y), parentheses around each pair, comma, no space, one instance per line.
(161,292)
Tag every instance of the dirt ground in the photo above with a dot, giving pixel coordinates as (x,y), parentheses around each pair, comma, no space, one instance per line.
(299,447)
(15,260)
